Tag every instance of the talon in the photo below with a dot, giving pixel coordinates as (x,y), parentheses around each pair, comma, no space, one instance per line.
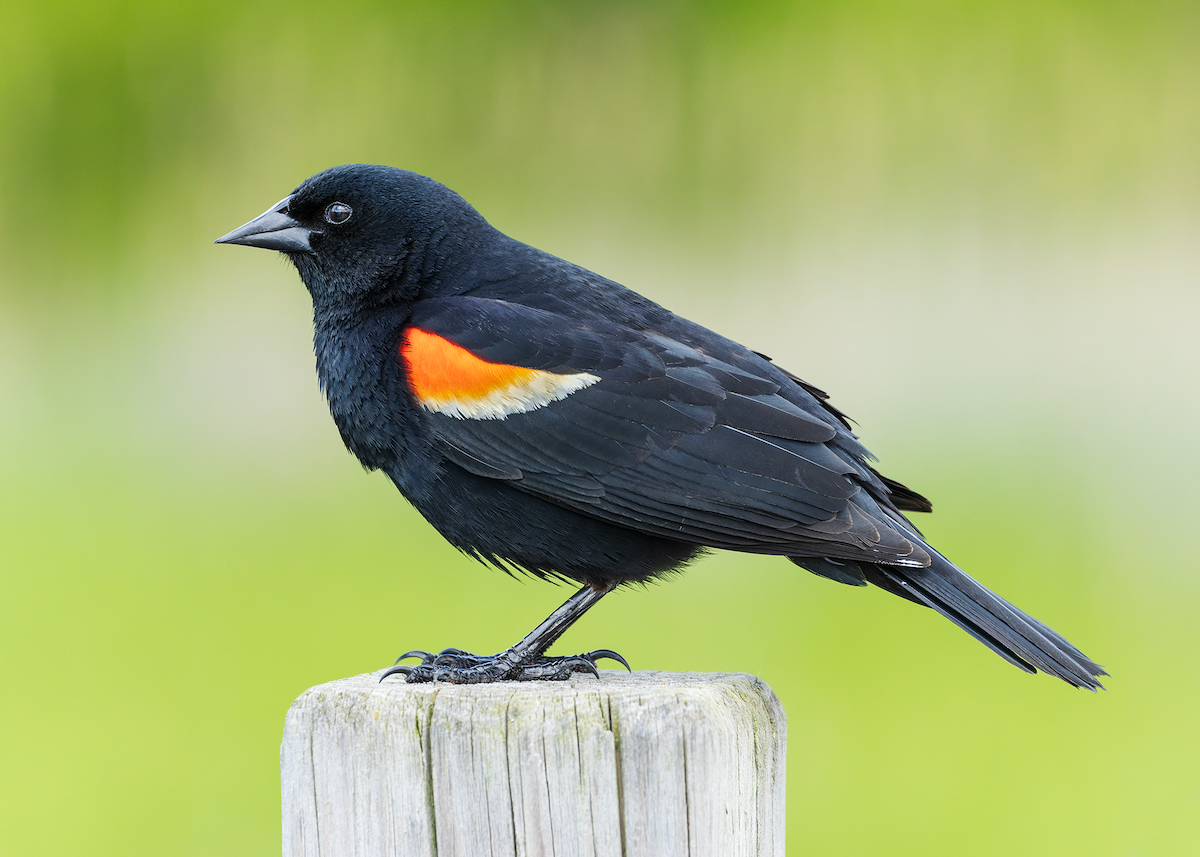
(456,666)
(610,655)
(404,671)
(584,664)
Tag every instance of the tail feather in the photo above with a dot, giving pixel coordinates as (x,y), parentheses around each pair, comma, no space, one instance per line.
(1020,639)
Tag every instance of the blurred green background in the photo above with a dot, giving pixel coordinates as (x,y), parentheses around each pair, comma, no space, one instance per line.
(974,223)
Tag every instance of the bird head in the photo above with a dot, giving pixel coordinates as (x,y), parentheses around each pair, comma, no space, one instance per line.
(364,234)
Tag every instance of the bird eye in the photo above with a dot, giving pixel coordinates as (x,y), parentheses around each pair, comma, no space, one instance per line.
(338,212)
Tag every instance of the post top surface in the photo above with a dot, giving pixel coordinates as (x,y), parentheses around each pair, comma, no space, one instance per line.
(613,684)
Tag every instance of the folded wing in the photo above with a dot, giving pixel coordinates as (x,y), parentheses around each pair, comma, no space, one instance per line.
(642,430)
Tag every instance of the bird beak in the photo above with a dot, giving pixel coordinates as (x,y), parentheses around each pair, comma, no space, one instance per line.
(274,229)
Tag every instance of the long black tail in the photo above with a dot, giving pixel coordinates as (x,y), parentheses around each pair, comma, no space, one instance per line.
(1018,638)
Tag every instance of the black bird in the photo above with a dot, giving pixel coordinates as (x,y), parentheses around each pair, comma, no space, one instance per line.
(546,419)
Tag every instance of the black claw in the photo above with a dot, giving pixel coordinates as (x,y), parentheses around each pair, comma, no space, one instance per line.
(610,655)
(404,671)
(581,664)
(415,653)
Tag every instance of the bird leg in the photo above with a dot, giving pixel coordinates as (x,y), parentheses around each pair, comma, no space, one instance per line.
(523,662)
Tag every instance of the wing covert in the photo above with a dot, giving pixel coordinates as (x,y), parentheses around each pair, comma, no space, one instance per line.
(645,431)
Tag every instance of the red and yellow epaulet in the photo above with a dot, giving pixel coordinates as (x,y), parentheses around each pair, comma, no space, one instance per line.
(448,379)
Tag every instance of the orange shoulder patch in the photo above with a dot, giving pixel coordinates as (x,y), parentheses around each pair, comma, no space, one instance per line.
(441,369)
(447,378)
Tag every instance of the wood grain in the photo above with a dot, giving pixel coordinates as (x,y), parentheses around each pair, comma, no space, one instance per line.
(644,765)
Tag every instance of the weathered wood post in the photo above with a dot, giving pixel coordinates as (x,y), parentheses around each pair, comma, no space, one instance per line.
(644,765)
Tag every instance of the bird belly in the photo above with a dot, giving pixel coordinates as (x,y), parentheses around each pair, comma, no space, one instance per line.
(509,528)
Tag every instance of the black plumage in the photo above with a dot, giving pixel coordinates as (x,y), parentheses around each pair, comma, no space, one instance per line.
(544,418)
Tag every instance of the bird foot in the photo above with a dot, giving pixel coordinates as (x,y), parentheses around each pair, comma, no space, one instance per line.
(458,667)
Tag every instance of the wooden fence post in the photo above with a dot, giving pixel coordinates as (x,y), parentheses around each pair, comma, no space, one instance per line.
(652,764)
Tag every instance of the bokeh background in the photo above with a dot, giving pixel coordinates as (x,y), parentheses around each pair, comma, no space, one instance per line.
(975,223)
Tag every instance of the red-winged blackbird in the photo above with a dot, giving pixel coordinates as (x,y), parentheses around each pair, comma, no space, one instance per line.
(544,418)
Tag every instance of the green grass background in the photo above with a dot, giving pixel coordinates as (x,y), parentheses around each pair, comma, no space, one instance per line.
(974,223)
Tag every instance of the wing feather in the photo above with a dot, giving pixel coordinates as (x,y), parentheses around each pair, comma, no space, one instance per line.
(720,449)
